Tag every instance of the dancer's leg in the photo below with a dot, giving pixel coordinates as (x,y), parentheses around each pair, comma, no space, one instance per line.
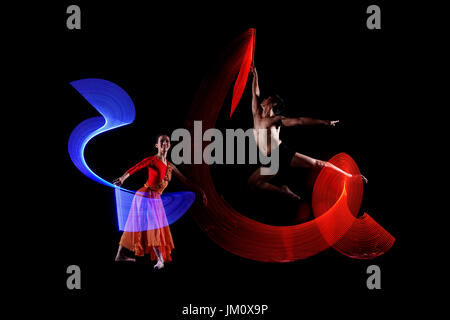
(261,182)
(121,255)
(160,263)
(301,161)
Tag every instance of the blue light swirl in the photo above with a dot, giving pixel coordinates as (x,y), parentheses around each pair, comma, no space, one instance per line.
(117,110)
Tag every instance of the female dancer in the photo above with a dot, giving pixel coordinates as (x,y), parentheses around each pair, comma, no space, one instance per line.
(147,203)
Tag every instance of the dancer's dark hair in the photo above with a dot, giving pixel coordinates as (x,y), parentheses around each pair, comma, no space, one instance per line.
(160,135)
(280,107)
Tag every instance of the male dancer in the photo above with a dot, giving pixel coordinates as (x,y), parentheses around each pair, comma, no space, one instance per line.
(267,124)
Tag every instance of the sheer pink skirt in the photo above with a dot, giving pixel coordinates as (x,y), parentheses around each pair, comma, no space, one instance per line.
(147,209)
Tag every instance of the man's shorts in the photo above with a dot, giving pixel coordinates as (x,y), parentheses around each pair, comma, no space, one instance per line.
(285,155)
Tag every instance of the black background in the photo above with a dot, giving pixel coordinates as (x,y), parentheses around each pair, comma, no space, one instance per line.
(318,55)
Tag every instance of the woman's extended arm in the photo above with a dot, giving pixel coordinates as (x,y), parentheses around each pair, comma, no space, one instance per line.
(119,181)
(143,164)
(189,184)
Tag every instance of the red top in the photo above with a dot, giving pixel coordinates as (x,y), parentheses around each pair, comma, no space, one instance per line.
(156,169)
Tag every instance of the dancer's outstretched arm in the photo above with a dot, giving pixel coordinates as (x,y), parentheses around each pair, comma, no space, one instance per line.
(301,121)
(189,183)
(119,181)
(305,121)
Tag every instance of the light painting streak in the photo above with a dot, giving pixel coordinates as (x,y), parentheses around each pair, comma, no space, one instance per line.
(117,110)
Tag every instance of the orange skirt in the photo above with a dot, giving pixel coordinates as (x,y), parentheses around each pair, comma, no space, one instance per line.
(148,204)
